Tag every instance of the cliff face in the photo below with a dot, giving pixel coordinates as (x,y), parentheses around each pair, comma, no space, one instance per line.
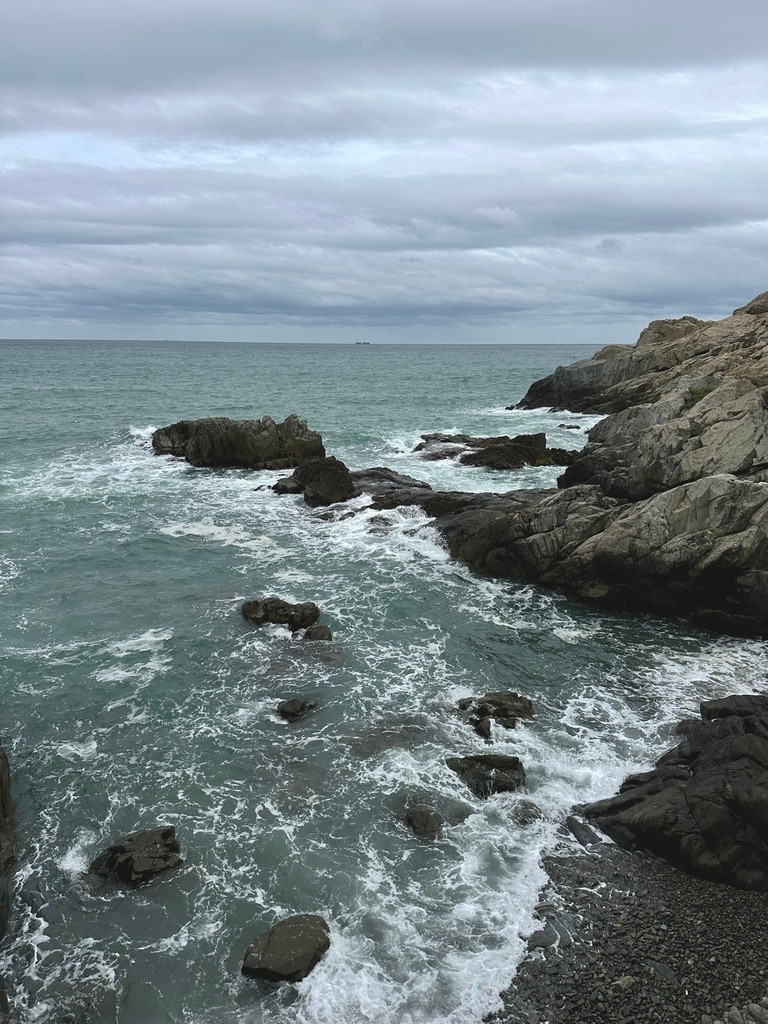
(666,508)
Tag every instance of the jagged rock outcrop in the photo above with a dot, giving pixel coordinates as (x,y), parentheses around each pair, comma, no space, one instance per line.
(704,807)
(668,354)
(494,452)
(699,550)
(289,950)
(137,858)
(502,707)
(690,433)
(220,442)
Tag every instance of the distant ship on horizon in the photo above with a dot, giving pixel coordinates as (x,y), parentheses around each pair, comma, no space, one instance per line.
(362,343)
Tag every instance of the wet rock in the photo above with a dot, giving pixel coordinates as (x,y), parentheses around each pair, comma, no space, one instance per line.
(295,709)
(324,481)
(704,808)
(504,707)
(275,610)
(526,812)
(494,452)
(289,950)
(248,444)
(485,774)
(424,821)
(318,633)
(137,858)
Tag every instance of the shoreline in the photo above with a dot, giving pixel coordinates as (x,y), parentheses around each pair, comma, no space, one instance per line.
(636,941)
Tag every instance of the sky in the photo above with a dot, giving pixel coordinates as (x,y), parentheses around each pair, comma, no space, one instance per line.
(502,171)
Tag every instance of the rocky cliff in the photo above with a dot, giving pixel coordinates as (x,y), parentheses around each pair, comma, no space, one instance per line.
(666,508)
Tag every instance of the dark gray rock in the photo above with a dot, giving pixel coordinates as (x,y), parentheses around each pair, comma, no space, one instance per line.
(486,774)
(295,709)
(247,444)
(318,633)
(504,707)
(137,858)
(289,950)
(324,481)
(278,612)
(494,452)
(705,806)
(423,820)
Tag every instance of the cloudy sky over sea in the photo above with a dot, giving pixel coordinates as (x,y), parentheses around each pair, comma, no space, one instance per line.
(393,170)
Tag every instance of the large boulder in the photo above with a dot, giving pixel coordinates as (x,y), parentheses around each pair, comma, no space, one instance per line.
(220,442)
(289,950)
(296,709)
(323,481)
(137,858)
(262,611)
(423,820)
(486,774)
(704,808)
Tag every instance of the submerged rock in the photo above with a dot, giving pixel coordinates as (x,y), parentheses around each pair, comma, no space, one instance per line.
(138,858)
(423,820)
(279,612)
(247,444)
(704,807)
(289,950)
(486,774)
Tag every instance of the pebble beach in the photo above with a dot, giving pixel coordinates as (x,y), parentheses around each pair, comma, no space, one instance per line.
(636,941)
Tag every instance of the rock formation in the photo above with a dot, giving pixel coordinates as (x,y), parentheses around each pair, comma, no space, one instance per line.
(666,508)
(244,444)
(704,807)
(494,452)
(296,709)
(501,706)
(289,950)
(486,774)
(278,612)
(137,858)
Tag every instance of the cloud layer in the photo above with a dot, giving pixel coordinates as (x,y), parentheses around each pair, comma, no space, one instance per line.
(514,171)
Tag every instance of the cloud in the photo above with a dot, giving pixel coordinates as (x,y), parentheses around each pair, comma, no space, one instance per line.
(177,165)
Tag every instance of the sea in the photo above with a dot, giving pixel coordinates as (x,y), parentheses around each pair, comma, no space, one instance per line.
(135,694)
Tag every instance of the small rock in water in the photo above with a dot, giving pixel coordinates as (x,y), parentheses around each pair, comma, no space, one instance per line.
(138,858)
(297,708)
(485,774)
(275,610)
(318,633)
(289,950)
(424,821)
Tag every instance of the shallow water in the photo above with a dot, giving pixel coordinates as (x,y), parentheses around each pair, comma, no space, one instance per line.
(135,693)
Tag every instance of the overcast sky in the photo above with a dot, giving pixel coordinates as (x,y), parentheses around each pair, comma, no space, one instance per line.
(393,170)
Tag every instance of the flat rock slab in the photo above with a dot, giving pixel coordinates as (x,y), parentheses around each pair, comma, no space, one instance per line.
(289,950)
(485,774)
(274,610)
(138,858)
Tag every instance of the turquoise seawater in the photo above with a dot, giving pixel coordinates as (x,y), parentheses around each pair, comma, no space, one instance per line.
(134,693)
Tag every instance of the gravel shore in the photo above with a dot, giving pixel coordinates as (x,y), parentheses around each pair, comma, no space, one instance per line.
(638,942)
